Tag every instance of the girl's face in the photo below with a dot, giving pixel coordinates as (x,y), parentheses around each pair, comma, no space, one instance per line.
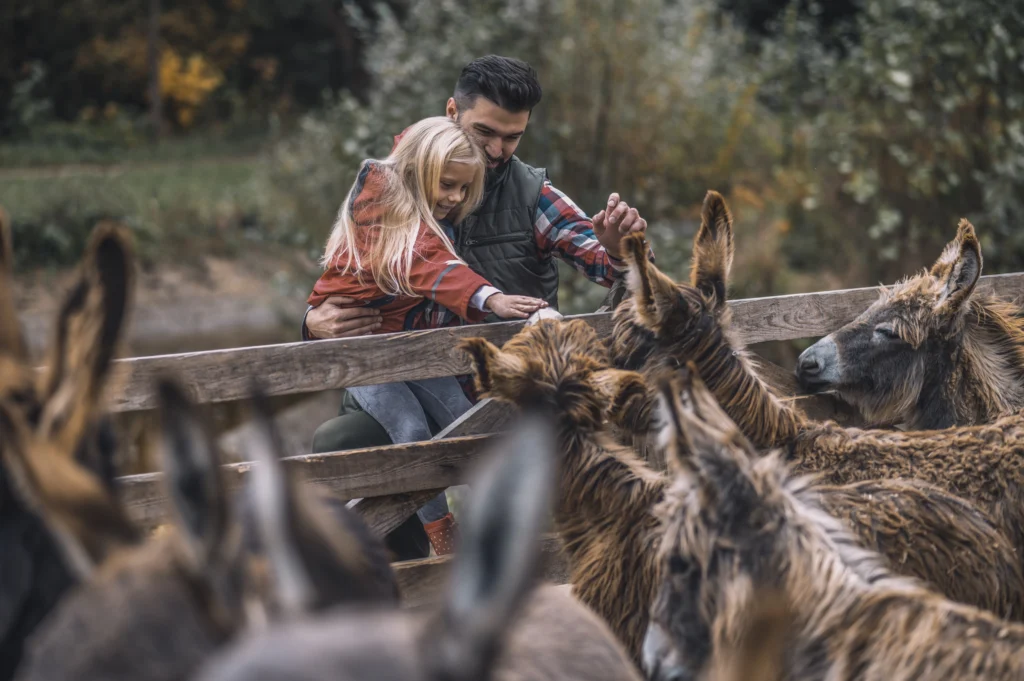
(453,186)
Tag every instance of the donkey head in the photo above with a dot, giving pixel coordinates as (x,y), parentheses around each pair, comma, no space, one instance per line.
(723,517)
(56,512)
(659,313)
(318,552)
(171,601)
(492,573)
(900,351)
(557,366)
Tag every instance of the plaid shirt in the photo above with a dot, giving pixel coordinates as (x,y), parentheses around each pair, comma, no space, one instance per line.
(565,231)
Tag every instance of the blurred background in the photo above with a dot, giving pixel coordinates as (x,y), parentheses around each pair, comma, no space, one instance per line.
(849,136)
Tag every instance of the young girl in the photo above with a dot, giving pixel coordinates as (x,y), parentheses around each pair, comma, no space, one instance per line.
(390,248)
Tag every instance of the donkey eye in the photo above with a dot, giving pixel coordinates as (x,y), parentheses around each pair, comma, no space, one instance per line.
(886,332)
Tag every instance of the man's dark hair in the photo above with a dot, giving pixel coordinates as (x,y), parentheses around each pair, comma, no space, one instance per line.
(510,83)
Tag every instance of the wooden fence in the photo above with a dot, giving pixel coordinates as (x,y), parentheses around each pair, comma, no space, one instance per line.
(394,481)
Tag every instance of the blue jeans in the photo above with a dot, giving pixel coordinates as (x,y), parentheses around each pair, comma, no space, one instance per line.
(401,408)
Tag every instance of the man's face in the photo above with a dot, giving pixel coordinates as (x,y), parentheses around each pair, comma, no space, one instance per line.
(496,130)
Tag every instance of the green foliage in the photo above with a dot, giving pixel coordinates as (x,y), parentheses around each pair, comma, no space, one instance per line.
(921,122)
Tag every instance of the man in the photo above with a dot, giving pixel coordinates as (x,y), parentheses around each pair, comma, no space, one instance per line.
(523,223)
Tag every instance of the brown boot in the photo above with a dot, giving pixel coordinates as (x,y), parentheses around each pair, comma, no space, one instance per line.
(443,534)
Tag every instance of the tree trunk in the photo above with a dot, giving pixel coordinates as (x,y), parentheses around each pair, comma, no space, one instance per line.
(155,100)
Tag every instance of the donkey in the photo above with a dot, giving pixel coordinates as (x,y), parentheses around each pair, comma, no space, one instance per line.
(665,324)
(931,352)
(735,523)
(156,609)
(61,410)
(489,626)
(606,495)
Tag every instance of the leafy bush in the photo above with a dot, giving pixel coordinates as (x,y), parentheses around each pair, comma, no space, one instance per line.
(920,123)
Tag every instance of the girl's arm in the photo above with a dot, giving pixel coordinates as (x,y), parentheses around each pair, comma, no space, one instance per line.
(438,275)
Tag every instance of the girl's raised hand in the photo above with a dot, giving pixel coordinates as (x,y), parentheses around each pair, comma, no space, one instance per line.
(513,307)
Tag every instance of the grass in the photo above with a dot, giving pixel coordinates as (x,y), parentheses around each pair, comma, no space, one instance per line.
(117,142)
(174,208)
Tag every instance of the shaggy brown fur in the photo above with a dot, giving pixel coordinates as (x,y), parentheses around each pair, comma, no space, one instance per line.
(677,324)
(54,416)
(156,610)
(736,523)
(490,627)
(930,352)
(605,493)
(758,654)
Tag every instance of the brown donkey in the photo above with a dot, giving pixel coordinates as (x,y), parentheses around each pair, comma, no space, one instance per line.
(155,610)
(61,411)
(604,509)
(491,625)
(931,352)
(665,324)
(606,494)
(736,523)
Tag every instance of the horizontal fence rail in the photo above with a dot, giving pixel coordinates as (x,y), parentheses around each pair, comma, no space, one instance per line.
(370,472)
(287,368)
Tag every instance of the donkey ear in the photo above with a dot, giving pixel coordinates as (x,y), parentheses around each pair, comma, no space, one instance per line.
(655,296)
(193,478)
(85,521)
(509,504)
(87,335)
(11,341)
(492,368)
(958,268)
(314,563)
(713,251)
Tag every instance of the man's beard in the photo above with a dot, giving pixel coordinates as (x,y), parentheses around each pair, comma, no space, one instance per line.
(494,174)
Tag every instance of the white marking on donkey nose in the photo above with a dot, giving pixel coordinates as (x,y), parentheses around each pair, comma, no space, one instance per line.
(543,313)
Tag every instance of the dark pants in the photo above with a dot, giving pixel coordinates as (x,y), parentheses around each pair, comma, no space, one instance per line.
(353,428)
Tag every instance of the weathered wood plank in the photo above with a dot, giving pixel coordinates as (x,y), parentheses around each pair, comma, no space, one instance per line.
(287,368)
(291,368)
(422,582)
(805,315)
(487,416)
(224,375)
(373,471)
(384,514)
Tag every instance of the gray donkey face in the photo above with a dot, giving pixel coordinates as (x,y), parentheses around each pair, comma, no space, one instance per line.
(721,521)
(491,576)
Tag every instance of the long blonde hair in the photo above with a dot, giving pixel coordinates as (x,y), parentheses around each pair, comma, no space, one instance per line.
(412,173)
